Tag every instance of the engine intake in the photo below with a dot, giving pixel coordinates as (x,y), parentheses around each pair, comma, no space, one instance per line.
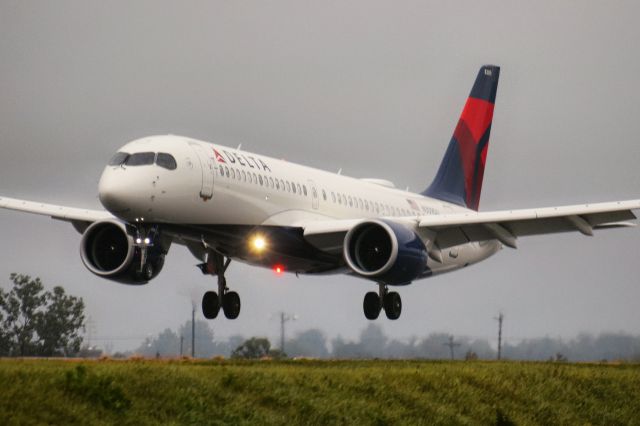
(109,251)
(385,251)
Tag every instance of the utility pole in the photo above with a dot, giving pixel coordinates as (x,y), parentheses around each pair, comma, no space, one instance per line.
(283,319)
(499,318)
(91,329)
(451,345)
(193,331)
(181,343)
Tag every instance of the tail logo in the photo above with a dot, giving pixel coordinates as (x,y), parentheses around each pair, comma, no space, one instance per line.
(459,178)
(472,137)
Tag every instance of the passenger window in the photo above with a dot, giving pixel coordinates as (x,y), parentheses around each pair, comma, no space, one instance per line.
(271,182)
(141,159)
(226,169)
(166,161)
(233,174)
(244,175)
(282,184)
(299,190)
(304,189)
(293,185)
(350,201)
(288,187)
(277,184)
(333,196)
(118,159)
(324,195)
(255,178)
(260,179)
(360,203)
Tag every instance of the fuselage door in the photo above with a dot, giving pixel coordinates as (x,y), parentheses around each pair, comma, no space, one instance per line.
(315,199)
(208,169)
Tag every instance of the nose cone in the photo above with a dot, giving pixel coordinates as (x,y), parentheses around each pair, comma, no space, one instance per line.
(112,192)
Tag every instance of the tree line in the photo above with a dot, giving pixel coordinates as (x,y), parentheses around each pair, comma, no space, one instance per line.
(373,343)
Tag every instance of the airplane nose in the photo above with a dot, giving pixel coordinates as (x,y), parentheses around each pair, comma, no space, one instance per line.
(111,192)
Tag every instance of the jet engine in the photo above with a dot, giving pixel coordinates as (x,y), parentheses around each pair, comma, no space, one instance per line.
(110,252)
(385,251)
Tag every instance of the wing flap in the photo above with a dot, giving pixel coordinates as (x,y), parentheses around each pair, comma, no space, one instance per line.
(506,226)
(600,213)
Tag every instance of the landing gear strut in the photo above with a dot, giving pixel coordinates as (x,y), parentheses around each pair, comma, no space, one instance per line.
(146,239)
(375,302)
(229,301)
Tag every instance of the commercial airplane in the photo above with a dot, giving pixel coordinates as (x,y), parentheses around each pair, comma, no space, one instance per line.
(223,204)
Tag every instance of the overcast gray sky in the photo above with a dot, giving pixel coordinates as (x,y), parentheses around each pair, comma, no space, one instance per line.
(372,87)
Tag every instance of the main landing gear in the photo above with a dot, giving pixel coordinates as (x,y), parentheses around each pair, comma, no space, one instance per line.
(229,301)
(389,300)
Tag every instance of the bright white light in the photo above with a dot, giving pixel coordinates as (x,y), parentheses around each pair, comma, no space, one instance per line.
(258,243)
(138,240)
(147,240)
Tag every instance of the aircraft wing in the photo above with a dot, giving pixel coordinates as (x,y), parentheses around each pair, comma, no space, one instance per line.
(448,230)
(75,215)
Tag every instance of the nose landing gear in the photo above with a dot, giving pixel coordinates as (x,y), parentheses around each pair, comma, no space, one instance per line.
(374,302)
(229,301)
(147,241)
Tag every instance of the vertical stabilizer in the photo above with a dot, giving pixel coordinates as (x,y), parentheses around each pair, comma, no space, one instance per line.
(459,178)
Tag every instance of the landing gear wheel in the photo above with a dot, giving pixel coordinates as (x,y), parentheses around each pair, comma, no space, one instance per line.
(210,305)
(147,271)
(371,305)
(231,305)
(392,305)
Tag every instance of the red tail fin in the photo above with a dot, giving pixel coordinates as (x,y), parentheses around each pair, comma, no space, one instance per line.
(459,178)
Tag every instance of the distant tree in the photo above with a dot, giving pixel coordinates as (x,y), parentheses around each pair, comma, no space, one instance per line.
(23,305)
(402,349)
(309,343)
(432,347)
(205,345)
(343,349)
(59,327)
(167,343)
(5,338)
(255,348)
(38,322)
(373,341)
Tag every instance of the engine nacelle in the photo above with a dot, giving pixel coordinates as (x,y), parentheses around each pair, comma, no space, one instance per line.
(385,251)
(110,252)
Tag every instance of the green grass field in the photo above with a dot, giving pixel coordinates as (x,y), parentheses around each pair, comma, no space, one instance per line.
(317,392)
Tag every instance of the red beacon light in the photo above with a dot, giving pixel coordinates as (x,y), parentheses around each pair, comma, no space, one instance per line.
(278,269)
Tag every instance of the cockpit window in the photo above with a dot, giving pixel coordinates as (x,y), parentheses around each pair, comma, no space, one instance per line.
(140,159)
(118,159)
(166,160)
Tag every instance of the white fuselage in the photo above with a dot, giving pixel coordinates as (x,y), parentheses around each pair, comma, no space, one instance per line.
(217,185)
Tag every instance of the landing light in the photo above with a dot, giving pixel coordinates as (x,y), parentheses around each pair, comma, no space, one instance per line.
(258,243)
(138,240)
